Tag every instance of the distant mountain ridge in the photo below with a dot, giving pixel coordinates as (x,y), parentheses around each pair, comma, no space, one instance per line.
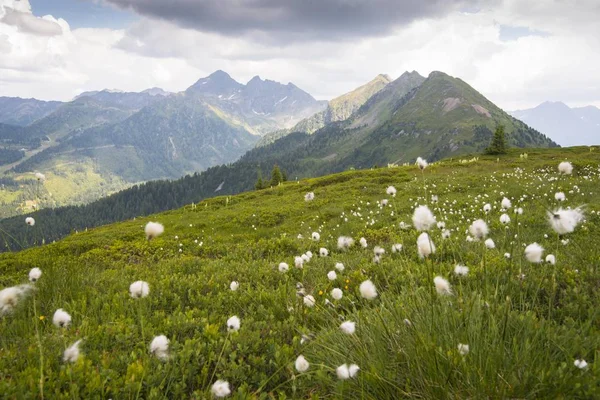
(565,125)
(22,112)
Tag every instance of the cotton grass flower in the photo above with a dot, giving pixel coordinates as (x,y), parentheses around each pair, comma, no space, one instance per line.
(353,369)
(423,218)
(442,286)
(581,364)
(559,196)
(71,354)
(487,208)
(139,289)
(10,297)
(339,266)
(506,204)
(551,259)
(461,270)
(298,262)
(153,230)
(363,242)
(39,176)
(35,274)
(421,163)
(30,221)
(310,196)
(159,347)
(534,252)
(283,267)
(463,349)
(309,301)
(378,251)
(337,294)
(507,255)
(489,243)
(316,236)
(342,372)
(233,324)
(348,327)
(565,168)
(368,290)
(479,229)
(344,242)
(220,388)
(391,191)
(396,248)
(504,219)
(331,275)
(234,285)
(61,318)
(301,364)
(425,246)
(323,252)
(445,234)
(565,221)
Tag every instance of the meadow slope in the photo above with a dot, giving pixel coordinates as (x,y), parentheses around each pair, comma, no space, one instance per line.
(526,324)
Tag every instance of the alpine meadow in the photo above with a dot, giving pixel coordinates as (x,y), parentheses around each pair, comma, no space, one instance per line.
(464,278)
(269,200)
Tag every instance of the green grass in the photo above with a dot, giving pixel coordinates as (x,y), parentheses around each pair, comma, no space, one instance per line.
(524,334)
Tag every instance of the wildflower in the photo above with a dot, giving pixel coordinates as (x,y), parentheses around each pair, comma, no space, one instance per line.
(331,275)
(424,245)
(384,202)
(35,274)
(234,285)
(461,270)
(309,301)
(479,229)
(404,226)
(533,253)
(407,322)
(565,221)
(363,242)
(301,364)
(298,263)
(504,219)
(344,242)
(445,234)
(316,236)
(422,163)
(487,208)
(441,225)
(506,204)
(551,259)
(391,191)
(342,372)
(376,259)
(434,199)
(339,266)
(353,369)
(323,252)
(581,364)
(379,251)
(463,349)
(233,324)
(489,243)
(348,327)
(160,347)
(423,219)
(337,294)
(10,297)
(565,168)
(519,211)
(442,285)
(30,221)
(71,354)
(368,290)
(39,176)
(396,248)
(61,318)
(559,196)
(220,388)
(506,255)
(153,230)
(139,289)
(310,196)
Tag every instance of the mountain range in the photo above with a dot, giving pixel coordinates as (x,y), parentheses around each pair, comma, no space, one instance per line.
(108,140)
(565,125)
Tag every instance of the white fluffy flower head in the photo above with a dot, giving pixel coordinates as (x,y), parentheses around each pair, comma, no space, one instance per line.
(301,364)
(35,274)
(159,347)
(71,354)
(233,324)
(423,218)
(61,318)
(479,229)
(220,388)
(30,221)
(425,246)
(139,289)
(348,327)
(565,168)
(153,230)
(534,252)
(442,286)
(368,290)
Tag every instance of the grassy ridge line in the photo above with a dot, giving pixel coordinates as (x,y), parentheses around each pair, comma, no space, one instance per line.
(516,349)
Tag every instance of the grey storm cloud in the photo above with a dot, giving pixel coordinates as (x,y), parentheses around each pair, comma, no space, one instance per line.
(29,23)
(300,19)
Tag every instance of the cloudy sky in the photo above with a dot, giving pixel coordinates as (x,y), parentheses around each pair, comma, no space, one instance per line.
(517,53)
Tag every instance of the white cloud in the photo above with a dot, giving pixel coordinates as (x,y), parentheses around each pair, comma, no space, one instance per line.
(515,74)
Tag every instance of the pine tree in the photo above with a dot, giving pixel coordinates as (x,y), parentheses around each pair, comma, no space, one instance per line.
(498,144)
(276,176)
(260,184)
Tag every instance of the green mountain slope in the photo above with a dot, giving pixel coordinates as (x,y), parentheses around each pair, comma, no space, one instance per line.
(22,112)
(524,323)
